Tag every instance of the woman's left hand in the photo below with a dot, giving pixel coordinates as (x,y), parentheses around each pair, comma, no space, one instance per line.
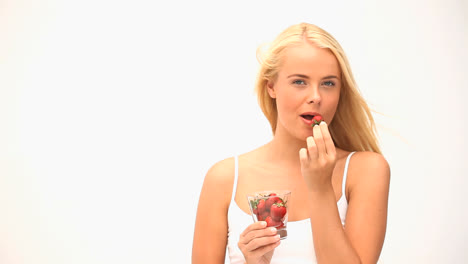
(319,159)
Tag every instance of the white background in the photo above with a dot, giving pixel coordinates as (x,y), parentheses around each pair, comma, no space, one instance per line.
(111,112)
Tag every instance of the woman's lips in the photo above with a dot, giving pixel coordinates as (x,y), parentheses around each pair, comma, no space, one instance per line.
(308,117)
(307,121)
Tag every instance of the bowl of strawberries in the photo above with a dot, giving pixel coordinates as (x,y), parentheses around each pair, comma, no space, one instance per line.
(271,207)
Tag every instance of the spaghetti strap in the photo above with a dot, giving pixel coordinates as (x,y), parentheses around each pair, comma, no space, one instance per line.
(236,175)
(345,173)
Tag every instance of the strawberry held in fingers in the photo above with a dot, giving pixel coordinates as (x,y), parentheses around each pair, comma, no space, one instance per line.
(316,120)
(311,118)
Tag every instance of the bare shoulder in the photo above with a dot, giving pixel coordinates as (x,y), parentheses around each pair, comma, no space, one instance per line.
(221,170)
(369,170)
(220,178)
(367,161)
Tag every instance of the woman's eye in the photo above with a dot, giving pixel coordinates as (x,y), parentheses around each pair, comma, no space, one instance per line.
(329,83)
(299,82)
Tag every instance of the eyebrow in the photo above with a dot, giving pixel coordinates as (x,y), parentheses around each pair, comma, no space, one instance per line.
(331,77)
(299,75)
(307,77)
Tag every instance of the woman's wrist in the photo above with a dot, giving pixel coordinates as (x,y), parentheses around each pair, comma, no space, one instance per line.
(320,189)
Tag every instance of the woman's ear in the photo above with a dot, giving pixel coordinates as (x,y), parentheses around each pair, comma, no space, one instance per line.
(271,89)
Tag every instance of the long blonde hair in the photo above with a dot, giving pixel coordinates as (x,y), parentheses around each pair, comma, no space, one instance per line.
(353,127)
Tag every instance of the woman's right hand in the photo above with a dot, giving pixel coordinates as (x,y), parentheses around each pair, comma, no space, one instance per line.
(258,242)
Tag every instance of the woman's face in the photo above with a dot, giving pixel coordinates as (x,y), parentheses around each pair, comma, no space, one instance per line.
(308,83)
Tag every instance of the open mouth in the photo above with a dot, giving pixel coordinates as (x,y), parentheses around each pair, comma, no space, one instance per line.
(308,117)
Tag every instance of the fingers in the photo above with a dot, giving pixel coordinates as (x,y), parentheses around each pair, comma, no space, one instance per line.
(323,140)
(255,226)
(261,243)
(327,139)
(258,234)
(318,159)
(312,147)
(319,146)
(258,240)
(265,249)
(303,156)
(318,137)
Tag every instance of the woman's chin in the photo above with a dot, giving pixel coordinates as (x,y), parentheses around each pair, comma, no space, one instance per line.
(304,135)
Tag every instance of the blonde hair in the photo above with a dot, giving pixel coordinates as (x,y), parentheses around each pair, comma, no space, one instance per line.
(353,127)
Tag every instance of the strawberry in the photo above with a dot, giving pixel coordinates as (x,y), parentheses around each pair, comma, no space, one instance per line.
(272,200)
(262,216)
(316,120)
(277,212)
(271,222)
(261,206)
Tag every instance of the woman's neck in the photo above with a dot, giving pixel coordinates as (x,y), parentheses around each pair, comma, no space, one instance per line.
(285,147)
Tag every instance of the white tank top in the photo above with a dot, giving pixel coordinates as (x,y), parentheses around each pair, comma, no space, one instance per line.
(297,248)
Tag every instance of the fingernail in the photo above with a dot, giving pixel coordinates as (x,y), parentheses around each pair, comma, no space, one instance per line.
(277,237)
(263,223)
(273,230)
(323,122)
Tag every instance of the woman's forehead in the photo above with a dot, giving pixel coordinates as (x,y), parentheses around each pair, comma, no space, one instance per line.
(308,58)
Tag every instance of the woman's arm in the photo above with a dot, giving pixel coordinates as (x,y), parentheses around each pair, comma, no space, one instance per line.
(366,219)
(368,184)
(211,226)
(362,238)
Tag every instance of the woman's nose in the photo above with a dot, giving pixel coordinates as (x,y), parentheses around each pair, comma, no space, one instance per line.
(314,96)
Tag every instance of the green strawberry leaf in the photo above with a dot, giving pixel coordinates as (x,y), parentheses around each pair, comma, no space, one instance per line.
(254,203)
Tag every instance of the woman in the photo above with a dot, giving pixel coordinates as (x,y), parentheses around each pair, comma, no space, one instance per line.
(337,176)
